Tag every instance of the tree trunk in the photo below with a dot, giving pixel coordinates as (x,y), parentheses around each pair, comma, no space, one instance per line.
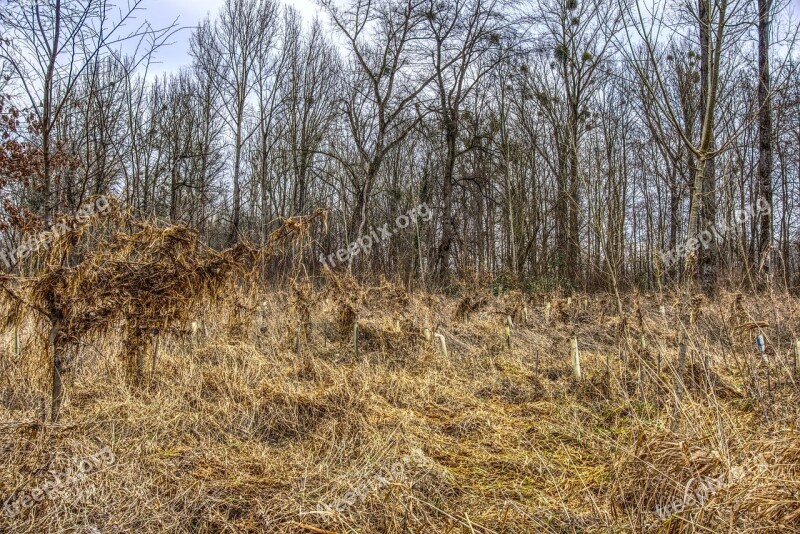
(707,257)
(237,193)
(57,393)
(47,118)
(448,224)
(764,140)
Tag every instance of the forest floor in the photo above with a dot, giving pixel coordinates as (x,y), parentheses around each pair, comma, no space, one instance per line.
(269,421)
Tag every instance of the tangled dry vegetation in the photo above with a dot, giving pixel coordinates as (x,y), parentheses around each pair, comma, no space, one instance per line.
(285,412)
(120,272)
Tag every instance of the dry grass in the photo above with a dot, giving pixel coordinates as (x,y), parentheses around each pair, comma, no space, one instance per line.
(251,432)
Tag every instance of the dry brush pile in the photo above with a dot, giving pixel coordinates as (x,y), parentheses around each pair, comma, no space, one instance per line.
(334,409)
(144,278)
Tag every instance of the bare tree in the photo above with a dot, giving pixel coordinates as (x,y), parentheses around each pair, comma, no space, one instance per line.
(717,31)
(465,47)
(229,49)
(50,45)
(764,134)
(580,35)
(384,81)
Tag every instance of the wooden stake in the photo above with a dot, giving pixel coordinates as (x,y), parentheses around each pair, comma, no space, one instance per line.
(509,326)
(796,356)
(761,344)
(641,380)
(442,344)
(675,425)
(155,353)
(139,364)
(547,313)
(658,367)
(56,392)
(355,339)
(576,357)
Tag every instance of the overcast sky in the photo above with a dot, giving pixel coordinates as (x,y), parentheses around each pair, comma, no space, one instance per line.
(189,12)
(161,13)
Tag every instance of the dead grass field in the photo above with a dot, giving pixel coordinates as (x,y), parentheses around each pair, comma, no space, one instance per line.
(262,415)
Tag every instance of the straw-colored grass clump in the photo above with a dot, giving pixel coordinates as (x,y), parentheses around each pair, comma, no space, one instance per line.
(283,428)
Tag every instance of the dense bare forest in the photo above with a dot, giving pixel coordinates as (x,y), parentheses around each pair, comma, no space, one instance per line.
(559,144)
(407,266)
